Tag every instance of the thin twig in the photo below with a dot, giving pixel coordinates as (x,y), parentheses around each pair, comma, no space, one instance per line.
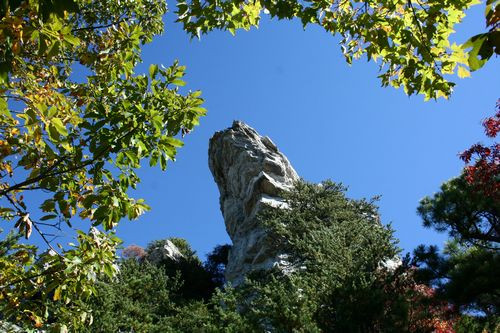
(95,27)
(23,213)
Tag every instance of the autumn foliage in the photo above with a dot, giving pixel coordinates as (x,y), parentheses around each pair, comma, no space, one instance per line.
(483,162)
(134,252)
(429,314)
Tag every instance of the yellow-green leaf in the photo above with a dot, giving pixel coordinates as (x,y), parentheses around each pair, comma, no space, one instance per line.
(57,293)
(178,82)
(153,69)
(59,126)
(463,72)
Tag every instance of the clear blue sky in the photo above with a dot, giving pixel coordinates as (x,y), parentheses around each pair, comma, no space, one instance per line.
(331,121)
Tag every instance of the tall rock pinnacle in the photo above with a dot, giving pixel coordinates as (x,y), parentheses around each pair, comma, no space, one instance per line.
(250,172)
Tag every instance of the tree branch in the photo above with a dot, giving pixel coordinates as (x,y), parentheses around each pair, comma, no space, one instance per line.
(34,224)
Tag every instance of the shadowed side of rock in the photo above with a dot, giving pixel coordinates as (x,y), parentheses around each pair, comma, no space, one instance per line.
(250,172)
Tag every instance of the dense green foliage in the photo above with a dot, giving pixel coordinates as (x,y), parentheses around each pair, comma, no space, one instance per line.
(466,273)
(216,264)
(474,324)
(467,277)
(136,300)
(197,282)
(465,212)
(336,247)
(48,290)
(167,296)
(337,279)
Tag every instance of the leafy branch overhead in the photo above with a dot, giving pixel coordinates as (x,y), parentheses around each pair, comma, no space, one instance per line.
(75,141)
(410,40)
(81,141)
(483,46)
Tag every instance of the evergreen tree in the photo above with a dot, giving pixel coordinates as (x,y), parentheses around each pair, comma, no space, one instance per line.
(466,212)
(196,282)
(136,300)
(466,277)
(340,280)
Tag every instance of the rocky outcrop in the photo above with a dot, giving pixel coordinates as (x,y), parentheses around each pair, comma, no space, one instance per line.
(6,327)
(250,172)
(166,251)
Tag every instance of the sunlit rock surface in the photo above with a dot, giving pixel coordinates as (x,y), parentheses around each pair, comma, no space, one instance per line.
(250,172)
(6,327)
(168,251)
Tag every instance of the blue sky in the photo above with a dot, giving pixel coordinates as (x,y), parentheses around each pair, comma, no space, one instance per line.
(330,119)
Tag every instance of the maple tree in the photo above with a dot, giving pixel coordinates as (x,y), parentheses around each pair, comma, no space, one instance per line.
(483,162)
(427,314)
(483,46)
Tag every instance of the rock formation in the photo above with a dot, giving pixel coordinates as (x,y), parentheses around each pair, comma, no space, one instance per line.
(167,251)
(250,173)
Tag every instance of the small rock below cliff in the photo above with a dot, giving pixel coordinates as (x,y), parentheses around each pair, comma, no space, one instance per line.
(167,251)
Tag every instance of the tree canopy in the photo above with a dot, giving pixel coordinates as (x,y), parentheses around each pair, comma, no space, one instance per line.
(80,141)
(410,40)
(153,296)
(463,276)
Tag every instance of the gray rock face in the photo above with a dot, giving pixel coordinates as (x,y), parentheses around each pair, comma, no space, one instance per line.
(6,327)
(167,251)
(250,172)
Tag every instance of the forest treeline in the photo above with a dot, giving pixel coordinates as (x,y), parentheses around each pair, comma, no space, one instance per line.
(348,275)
